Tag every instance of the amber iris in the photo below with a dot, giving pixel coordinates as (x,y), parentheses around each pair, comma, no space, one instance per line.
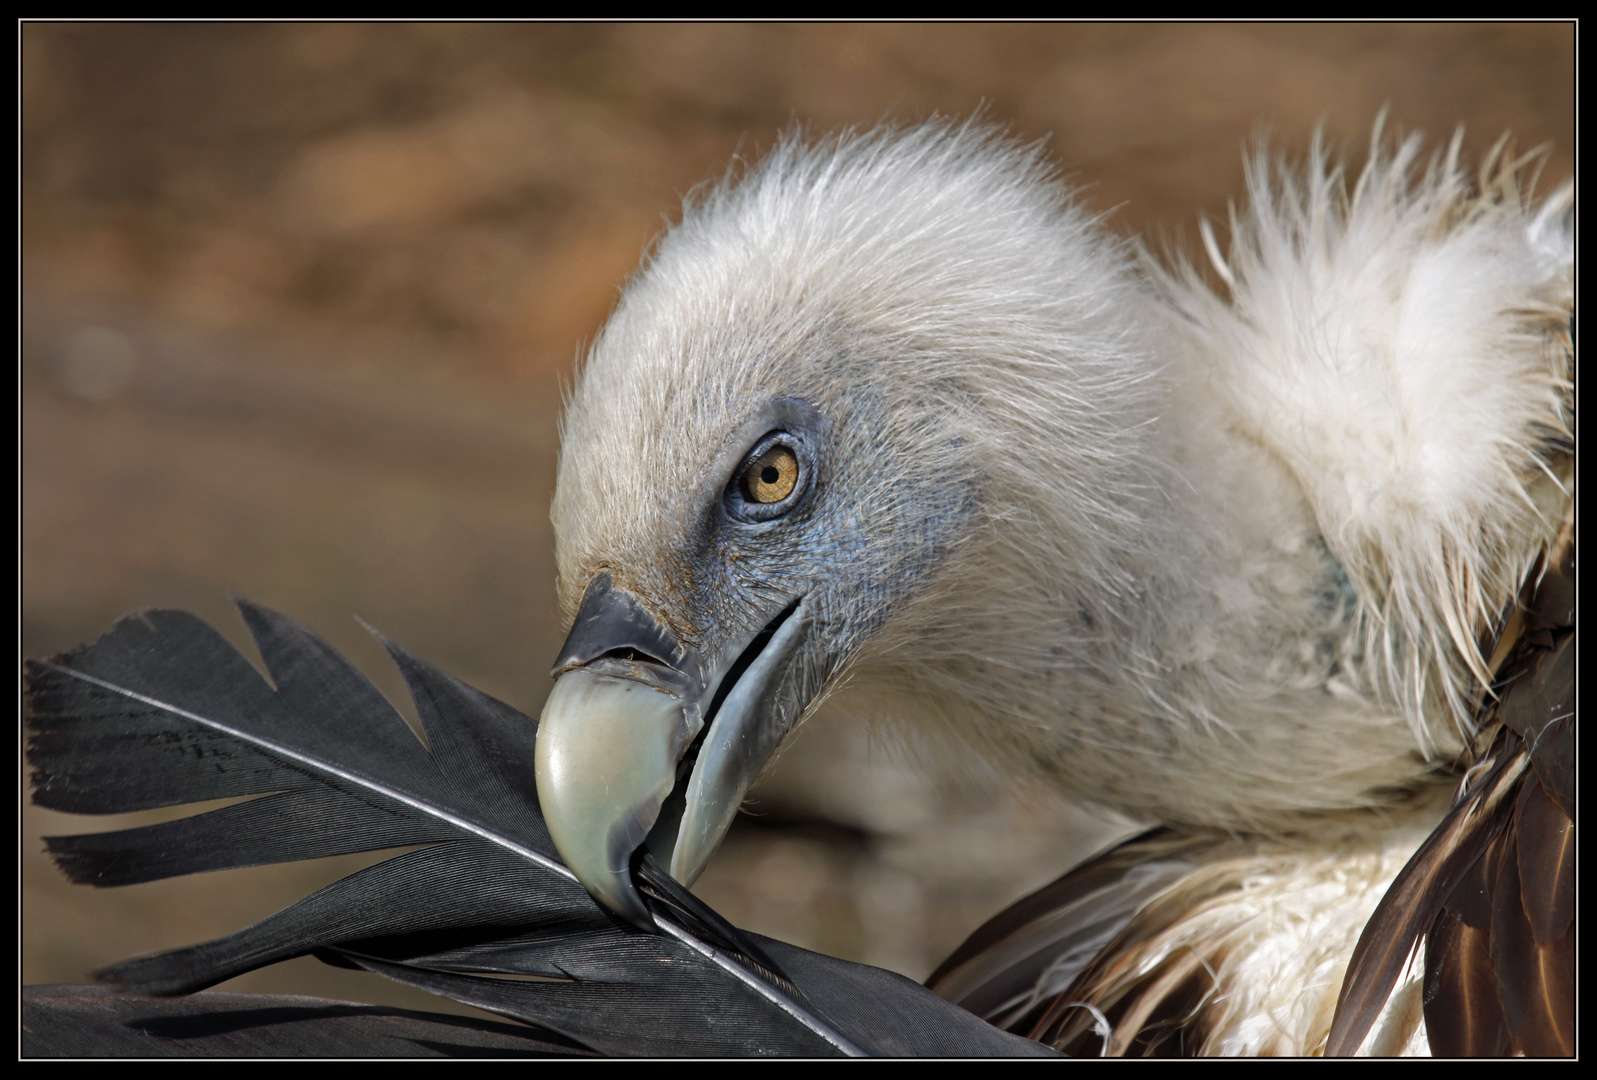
(770,477)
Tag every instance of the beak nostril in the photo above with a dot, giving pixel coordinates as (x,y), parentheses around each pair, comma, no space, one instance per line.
(611,624)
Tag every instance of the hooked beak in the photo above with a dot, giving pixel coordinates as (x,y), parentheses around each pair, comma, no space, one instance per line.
(644,740)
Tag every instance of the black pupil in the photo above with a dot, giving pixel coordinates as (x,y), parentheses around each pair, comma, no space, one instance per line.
(768,475)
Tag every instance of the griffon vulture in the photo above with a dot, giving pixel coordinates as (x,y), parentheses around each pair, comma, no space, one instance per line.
(892,410)
(1284,564)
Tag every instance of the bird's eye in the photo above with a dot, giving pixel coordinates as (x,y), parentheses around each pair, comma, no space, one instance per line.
(771,477)
(777,474)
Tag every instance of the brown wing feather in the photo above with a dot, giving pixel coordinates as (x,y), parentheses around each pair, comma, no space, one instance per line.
(1004,971)
(1492,890)
(1459,983)
(1159,1014)
(1414,900)
(1546,864)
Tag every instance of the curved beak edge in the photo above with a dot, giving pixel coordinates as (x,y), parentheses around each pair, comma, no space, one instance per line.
(606,760)
(612,740)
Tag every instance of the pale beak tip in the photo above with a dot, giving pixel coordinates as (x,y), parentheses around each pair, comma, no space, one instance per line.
(605,761)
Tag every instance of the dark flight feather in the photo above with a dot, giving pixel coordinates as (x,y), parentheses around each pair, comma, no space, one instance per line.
(162,711)
(95,1022)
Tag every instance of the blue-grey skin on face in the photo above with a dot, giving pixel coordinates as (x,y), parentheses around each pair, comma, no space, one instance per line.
(667,708)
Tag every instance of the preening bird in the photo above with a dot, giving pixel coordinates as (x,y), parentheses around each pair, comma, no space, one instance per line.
(892,411)
(1282,564)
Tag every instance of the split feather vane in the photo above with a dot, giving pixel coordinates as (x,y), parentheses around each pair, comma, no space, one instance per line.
(163,711)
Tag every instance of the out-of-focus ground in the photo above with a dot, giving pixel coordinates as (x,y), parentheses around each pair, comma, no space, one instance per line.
(299,301)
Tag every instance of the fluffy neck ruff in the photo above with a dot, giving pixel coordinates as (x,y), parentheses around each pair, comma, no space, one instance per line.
(1235,554)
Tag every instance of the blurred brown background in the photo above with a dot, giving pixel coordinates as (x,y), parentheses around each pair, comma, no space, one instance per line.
(299,301)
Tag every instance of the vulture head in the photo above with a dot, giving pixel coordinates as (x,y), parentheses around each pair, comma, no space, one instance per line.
(812,418)
(891,409)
